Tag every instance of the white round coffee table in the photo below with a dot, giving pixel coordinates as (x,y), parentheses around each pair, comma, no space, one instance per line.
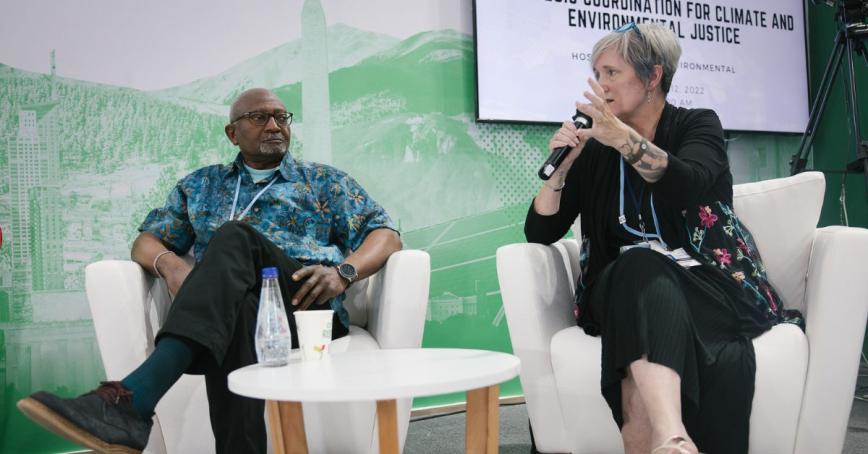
(383,376)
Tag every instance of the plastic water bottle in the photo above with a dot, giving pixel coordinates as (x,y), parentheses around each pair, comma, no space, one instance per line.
(273,338)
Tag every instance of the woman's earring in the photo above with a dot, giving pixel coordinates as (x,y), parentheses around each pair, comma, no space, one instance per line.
(648,98)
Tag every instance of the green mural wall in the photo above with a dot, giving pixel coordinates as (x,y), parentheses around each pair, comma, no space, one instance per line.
(83,162)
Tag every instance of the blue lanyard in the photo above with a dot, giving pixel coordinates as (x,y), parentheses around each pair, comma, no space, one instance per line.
(637,201)
(622,219)
(250,205)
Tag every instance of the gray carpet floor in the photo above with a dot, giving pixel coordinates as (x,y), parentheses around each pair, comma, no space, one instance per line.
(445,434)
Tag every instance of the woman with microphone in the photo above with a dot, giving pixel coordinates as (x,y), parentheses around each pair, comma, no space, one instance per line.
(670,279)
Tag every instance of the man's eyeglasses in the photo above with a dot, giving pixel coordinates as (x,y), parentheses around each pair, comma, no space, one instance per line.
(261,118)
(629,26)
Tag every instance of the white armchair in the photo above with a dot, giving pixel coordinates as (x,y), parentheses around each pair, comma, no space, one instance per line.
(387,310)
(804,382)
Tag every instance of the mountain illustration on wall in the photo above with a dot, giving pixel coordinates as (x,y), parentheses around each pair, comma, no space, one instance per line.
(401,115)
(280,66)
(401,119)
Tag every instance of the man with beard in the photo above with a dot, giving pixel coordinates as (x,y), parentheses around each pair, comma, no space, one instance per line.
(265,209)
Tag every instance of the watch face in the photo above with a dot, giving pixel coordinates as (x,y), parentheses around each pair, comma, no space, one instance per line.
(347,271)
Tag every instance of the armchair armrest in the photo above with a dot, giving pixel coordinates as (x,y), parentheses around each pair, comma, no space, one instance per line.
(536,287)
(398,299)
(836,311)
(118,292)
(128,307)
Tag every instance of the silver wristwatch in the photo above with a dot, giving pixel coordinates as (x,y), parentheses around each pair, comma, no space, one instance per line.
(348,272)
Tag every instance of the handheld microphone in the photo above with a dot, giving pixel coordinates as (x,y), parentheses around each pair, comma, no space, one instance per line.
(581,121)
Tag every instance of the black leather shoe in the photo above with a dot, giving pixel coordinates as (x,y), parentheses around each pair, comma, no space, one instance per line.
(103,420)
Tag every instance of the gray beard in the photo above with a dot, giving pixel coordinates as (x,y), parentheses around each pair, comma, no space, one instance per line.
(271,149)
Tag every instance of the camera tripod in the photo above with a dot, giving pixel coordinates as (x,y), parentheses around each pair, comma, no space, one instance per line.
(850,37)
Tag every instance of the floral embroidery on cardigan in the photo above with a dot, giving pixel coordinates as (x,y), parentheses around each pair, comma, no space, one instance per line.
(715,235)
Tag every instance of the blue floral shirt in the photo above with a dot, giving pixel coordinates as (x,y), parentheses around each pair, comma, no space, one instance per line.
(313,212)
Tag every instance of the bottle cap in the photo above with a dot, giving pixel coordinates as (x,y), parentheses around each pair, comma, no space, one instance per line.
(269,272)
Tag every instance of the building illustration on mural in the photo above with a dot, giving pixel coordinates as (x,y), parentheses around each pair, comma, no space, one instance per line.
(36,231)
(45,344)
(447,305)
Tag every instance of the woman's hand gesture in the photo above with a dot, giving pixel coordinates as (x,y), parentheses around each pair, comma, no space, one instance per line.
(607,128)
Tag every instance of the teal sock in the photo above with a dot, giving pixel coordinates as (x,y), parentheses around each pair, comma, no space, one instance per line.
(153,378)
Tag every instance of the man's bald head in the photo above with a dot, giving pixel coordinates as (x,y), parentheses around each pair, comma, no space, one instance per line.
(248,98)
(262,145)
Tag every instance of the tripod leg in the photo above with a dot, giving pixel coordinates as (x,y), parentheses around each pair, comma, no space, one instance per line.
(861,153)
(798,161)
(854,103)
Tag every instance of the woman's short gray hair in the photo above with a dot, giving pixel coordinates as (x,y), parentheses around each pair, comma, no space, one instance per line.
(643,47)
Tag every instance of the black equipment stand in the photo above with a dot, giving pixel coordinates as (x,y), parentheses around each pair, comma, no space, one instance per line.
(851,37)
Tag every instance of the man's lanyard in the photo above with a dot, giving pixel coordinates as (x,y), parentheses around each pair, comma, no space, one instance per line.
(622,219)
(249,206)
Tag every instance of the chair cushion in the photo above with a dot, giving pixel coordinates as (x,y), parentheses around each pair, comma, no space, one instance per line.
(782,215)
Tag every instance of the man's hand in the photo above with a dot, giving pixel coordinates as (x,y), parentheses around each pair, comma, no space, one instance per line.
(323,283)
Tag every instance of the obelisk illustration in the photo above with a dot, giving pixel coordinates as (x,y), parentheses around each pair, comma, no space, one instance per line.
(316,113)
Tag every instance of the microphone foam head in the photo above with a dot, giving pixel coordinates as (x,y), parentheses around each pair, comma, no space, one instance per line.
(581,121)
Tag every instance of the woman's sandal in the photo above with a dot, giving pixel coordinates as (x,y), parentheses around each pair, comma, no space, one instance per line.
(676,444)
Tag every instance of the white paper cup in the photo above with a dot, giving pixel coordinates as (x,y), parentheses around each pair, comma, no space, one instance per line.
(314,332)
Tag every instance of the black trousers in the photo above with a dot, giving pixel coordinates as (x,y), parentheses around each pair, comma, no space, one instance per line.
(216,308)
(692,321)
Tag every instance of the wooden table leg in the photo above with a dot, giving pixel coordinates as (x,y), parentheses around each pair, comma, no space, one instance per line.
(387,421)
(287,427)
(481,436)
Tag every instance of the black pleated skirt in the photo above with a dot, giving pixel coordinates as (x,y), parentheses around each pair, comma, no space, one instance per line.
(696,321)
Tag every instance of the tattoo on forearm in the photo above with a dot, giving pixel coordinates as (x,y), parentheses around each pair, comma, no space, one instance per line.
(634,148)
(649,160)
